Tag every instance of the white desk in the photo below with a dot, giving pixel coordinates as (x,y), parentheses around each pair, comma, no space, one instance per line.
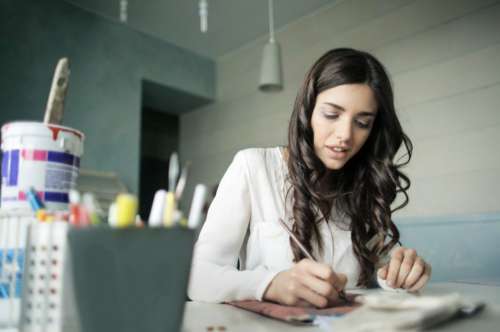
(199,316)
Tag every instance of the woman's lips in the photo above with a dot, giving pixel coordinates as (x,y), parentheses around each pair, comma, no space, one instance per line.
(336,154)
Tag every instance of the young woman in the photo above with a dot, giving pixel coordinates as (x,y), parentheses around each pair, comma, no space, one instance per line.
(332,185)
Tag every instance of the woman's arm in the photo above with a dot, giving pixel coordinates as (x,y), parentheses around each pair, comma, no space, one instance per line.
(214,276)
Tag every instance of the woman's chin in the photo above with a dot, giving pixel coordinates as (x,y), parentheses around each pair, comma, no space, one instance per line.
(334,164)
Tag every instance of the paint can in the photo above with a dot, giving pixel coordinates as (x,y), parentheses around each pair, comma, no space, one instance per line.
(45,157)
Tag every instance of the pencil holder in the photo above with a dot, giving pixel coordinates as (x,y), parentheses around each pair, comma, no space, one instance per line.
(48,302)
(131,279)
(13,228)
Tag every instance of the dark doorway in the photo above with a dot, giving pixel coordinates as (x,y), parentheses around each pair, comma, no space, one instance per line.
(162,107)
(160,137)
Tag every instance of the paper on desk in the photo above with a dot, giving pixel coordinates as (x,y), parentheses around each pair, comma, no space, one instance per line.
(399,312)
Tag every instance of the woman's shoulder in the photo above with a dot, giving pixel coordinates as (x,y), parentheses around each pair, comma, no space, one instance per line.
(263,157)
(263,167)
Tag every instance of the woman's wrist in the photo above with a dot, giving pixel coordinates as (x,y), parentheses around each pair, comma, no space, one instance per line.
(270,292)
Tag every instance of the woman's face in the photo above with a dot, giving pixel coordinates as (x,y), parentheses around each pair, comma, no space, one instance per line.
(342,120)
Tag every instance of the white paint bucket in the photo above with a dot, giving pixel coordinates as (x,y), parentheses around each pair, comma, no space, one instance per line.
(43,156)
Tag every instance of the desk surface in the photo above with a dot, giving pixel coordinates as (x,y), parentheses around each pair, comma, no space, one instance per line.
(199,316)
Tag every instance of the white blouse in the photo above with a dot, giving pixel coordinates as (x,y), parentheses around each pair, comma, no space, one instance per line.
(242,223)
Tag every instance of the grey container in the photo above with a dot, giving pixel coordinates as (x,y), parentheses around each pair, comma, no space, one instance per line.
(131,279)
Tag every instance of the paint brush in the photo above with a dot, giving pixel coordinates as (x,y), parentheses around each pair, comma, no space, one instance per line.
(173,171)
(196,212)
(55,104)
(181,185)
(170,201)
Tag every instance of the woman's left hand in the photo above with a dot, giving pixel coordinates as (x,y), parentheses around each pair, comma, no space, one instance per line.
(405,270)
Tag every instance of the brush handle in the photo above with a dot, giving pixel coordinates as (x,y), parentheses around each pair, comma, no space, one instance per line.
(196,211)
(55,103)
(294,239)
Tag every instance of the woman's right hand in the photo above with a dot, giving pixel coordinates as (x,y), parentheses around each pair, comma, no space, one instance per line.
(307,283)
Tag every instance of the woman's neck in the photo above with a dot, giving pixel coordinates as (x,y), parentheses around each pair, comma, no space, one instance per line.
(285,153)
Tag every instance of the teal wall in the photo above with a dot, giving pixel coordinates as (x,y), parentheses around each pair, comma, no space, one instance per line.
(108,63)
(459,248)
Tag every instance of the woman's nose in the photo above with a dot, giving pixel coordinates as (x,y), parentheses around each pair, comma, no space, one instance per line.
(343,132)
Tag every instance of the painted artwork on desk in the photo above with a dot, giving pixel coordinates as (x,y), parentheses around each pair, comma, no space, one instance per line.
(296,315)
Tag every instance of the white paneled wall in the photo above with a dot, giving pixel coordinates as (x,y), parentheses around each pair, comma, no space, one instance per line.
(444,60)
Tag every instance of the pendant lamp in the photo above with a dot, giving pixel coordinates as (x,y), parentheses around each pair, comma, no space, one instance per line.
(271,77)
(203,10)
(123,11)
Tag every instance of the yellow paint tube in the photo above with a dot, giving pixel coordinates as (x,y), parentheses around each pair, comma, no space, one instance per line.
(126,210)
(170,207)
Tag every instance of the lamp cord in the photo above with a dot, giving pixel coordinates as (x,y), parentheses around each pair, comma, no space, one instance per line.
(271,21)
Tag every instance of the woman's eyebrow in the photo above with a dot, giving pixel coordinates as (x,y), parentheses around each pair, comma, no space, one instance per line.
(340,108)
(372,114)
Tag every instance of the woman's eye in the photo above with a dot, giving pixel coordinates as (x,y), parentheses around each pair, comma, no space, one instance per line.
(331,115)
(363,125)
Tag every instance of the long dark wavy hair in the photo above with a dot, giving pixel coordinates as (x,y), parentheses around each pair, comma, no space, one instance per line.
(364,189)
